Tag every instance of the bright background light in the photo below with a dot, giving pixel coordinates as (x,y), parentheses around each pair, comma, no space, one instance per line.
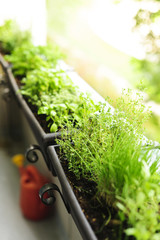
(30,14)
(113,23)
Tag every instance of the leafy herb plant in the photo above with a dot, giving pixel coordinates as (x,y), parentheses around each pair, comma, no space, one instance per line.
(28,57)
(55,97)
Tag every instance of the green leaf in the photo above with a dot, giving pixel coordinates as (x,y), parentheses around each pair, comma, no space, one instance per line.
(53,113)
(42,110)
(130,231)
(53,127)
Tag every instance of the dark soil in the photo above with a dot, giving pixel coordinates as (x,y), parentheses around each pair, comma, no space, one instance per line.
(40,118)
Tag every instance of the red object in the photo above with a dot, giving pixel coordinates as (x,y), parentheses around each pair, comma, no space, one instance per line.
(30,183)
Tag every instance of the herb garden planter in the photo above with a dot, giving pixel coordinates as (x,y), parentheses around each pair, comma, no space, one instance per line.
(46,143)
(107,172)
(44,139)
(50,151)
(75,196)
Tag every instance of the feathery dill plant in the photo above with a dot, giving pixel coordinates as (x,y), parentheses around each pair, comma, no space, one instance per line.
(109,145)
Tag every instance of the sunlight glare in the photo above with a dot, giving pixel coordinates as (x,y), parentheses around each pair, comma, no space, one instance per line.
(113,23)
(30,14)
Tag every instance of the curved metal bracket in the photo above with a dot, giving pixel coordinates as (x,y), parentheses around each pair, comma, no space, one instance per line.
(49,188)
(32,157)
(31,154)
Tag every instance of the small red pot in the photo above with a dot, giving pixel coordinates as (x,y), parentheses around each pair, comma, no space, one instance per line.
(30,184)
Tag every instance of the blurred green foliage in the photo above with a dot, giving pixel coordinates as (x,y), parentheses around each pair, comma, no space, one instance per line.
(11,36)
(147,20)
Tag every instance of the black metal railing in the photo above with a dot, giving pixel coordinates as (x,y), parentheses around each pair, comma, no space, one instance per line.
(46,145)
